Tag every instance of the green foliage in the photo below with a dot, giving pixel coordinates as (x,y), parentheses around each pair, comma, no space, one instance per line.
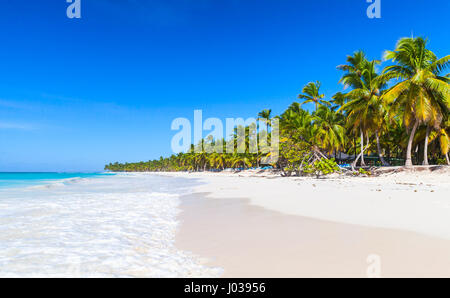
(293,155)
(371,114)
(364,172)
(322,167)
(441,161)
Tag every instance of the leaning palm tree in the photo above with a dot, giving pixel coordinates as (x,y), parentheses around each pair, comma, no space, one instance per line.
(423,96)
(311,93)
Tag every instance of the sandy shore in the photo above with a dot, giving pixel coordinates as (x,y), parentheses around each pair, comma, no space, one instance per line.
(413,201)
(260,225)
(249,241)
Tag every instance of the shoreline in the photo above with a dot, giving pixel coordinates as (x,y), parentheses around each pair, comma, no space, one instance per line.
(221,224)
(248,241)
(417,202)
(249,236)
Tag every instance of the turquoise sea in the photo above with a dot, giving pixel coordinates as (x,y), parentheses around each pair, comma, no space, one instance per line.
(93,225)
(16,179)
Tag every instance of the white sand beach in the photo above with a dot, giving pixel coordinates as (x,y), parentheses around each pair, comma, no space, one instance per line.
(246,224)
(259,224)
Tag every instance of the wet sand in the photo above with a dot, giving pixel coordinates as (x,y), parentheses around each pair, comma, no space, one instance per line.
(250,241)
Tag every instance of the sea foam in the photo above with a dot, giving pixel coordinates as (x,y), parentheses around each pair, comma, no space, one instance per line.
(118,226)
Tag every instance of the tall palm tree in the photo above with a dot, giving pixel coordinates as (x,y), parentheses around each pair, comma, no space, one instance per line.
(265,115)
(352,78)
(422,95)
(365,111)
(311,93)
(354,70)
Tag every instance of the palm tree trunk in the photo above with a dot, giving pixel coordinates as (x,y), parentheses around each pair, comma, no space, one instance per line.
(410,144)
(383,161)
(362,147)
(425,149)
(357,158)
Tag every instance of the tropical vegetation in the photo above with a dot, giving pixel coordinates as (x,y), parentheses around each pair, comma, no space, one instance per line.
(392,116)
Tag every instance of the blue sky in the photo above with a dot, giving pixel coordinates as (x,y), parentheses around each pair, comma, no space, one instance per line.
(78,93)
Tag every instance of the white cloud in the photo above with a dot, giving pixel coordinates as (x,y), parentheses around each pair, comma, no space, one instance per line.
(17,126)
(13,104)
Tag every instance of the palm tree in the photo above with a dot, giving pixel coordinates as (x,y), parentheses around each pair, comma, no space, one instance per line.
(217,160)
(444,141)
(371,91)
(443,135)
(338,100)
(422,95)
(354,70)
(241,159)
(365,111)
(352,78)
(413,112)
(330,132)
(311,93)
(356,64)
(265,115)
(297,122)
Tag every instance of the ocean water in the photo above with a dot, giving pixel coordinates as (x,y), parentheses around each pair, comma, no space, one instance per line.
(93,225)
(9,180)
